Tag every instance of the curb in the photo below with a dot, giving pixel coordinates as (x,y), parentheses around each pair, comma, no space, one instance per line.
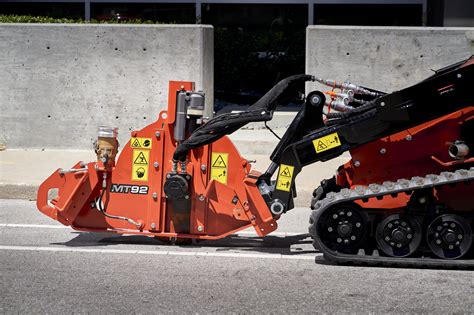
(18,191)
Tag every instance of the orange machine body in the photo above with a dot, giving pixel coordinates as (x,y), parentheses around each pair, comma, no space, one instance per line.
(412,152)
(135,188)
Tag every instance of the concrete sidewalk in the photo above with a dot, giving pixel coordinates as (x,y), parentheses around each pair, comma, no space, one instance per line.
(22,171)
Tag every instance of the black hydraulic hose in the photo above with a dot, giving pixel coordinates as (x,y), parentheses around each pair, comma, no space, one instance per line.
(343,121)
(102,209)
(352,112)
(225,124)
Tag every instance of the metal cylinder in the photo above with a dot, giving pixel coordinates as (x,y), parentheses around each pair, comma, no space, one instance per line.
(196,104)
(180,121)
(339,105)
(458,150)
(106,146)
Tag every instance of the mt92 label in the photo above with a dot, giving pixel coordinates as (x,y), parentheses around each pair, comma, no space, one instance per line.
(129,189)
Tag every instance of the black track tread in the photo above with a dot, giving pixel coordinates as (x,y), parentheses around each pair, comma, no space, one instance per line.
(382,261)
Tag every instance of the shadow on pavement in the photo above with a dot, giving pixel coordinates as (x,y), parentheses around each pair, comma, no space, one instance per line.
(284,245)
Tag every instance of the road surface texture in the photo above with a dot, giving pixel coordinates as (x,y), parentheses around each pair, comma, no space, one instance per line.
(48,268)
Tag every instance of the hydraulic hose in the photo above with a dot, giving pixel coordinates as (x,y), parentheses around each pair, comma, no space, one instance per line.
(225,124)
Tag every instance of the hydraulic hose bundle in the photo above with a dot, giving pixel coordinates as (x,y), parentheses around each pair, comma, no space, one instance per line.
(225,124)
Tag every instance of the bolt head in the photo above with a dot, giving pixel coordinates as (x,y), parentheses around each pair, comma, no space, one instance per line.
(156,164)
(186,197)
(382,104)
(157,134)
(203,167)
(153,226)
(383,151)
(408,138)
(155,195)
(330,229)
(356,163)
(459,76)
(200,228)
(201,198)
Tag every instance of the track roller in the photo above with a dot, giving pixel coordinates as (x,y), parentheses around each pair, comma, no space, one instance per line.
(449,236)
(398,236)
(343,228)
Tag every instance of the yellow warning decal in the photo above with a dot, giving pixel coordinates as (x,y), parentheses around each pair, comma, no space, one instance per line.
(327,142)
(140,143)
(140,162)
(219,167)
(284,177)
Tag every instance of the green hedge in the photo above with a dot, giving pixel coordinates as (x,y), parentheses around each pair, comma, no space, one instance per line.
(46,19)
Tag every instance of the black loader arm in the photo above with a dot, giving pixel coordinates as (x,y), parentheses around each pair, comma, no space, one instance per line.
(309,140)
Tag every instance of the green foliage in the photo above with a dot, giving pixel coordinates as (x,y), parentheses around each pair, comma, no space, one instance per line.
(47,19)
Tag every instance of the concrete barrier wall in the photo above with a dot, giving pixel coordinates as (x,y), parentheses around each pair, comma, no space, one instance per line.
(383,58)
(60,81)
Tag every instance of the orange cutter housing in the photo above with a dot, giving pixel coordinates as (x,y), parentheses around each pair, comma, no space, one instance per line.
(218,209)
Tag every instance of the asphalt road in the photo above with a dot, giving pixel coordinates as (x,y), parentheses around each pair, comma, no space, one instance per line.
(46,268)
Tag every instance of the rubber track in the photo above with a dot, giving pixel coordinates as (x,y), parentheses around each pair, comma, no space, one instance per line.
(387,188)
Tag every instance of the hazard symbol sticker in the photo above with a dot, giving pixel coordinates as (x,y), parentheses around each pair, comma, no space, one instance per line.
(140,143)
(327,142)
(219,167)
(285,176)
(140,161)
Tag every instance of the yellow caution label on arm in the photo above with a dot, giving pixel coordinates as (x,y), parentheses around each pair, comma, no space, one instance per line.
(219,167)
(140,162)
(285,176)
(327,142)
(140,143)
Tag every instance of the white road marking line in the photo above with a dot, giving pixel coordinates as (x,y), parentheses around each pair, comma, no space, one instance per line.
(154,252)
(47,226)
(36,226)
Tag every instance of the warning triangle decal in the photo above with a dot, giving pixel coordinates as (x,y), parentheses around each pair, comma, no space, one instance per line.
(219,162)
(286,172)
(136,143)
(321,145)
(141,160)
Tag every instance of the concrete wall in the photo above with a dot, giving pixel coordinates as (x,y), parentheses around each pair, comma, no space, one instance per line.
(383,58)
(60,81)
